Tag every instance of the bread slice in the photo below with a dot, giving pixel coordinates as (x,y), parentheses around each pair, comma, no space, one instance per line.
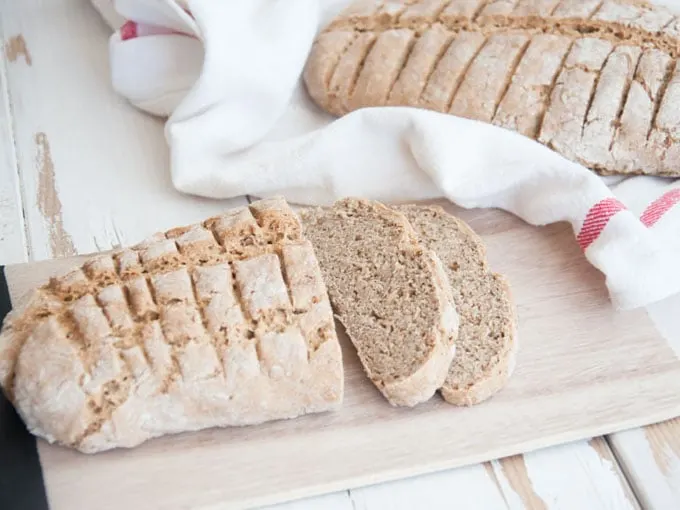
(594,80)
(390,293)
(223,323)
(487,339)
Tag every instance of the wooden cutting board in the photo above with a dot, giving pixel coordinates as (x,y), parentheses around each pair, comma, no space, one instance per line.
(583,370)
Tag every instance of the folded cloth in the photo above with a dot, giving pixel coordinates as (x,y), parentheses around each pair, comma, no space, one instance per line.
(108,11)
(227,76)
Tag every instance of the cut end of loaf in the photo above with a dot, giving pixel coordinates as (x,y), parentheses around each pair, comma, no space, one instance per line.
(386,290)
(487,338)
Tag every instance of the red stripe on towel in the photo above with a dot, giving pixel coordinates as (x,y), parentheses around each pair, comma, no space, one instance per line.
(659,207)
(128,30)
(132,29)
(596,220)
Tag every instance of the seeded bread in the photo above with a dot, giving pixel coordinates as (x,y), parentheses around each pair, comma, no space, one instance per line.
(487,339)
(222,323)
(390,293)
(594,80)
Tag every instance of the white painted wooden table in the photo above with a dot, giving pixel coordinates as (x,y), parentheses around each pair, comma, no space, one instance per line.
(82,171)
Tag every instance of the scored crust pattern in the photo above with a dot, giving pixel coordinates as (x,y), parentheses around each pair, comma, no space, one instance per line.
(221,323)
(594,80)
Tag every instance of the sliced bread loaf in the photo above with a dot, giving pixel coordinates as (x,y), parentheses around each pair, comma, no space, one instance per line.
(390,293)
(487,339)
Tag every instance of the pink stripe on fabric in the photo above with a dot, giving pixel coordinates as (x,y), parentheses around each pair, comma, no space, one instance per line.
(596,220)
(128,30)
(132,29)
(659,207)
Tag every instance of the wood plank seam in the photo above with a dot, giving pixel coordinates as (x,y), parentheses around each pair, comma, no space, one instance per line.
(515,472)
(625,474)
(488,468)
(49,202)
(349,495)
(13,156)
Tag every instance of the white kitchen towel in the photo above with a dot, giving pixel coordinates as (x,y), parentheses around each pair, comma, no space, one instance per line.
(108,11)
(228,76)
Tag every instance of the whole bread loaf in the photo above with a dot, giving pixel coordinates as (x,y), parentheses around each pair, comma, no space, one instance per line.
(595,80)
(223,323)
(390,293)
(487,344)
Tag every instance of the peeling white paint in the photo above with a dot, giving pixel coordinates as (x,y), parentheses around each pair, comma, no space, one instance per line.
(655,489)
(512,498)
(106,234)
(13,247)
(581,479)
(673,474)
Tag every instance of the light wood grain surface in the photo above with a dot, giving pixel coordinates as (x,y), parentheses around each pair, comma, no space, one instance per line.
(111,184)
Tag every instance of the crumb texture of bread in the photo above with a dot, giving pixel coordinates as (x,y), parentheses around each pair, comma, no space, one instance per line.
(222,323)
(390,293)
(487,338)
(595,80)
